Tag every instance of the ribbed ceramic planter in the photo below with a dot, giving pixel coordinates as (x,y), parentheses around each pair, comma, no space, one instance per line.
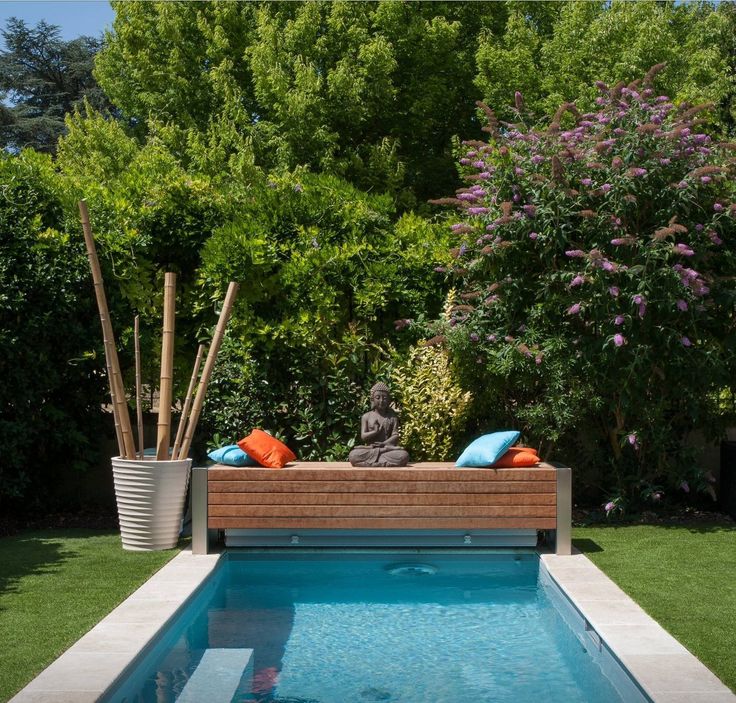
(150,495)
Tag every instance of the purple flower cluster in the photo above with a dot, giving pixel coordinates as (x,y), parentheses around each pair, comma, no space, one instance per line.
(596,218)
(577,281)
(691,279)
(684,249)
(641,303)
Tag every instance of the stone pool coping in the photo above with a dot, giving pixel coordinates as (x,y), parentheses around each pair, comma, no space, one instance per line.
(91,665)
(665,670)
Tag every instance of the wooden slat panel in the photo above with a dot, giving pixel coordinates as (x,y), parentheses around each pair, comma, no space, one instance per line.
(231,498)
(372,511)
(302,523)
(347,465)
(285,486)
(333,495)
(380,474)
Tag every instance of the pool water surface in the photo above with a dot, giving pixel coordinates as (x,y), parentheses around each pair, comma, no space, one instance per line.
(355,628)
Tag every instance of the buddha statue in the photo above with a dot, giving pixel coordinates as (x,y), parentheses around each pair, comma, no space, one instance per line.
(379,429)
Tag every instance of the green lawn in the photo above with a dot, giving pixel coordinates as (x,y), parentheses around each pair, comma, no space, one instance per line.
(54,586)
(684,577)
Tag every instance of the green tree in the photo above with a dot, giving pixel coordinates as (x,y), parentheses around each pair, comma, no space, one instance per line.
(42,78)
(149,215)
(375,92)
(559,60)
(370,91)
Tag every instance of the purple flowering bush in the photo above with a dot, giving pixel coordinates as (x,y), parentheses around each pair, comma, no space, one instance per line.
(596,269)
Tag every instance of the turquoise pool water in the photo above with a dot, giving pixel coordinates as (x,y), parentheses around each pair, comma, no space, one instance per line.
(357,628)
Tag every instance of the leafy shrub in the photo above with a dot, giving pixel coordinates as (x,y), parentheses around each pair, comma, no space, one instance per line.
(51,392)
(149,215)
(433,405)
(312,398)
(326,275)
(595,259)
(325,271)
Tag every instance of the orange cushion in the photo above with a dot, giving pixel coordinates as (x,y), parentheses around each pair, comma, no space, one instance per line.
(266,450)
(518,456)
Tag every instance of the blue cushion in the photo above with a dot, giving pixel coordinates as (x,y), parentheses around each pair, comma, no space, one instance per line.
(232,455)
(488,449)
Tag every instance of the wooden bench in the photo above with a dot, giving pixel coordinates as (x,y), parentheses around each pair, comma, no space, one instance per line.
(310,498)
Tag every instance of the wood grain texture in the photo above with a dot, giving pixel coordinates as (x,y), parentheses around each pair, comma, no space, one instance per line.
(382,487)
(381,511)
(417,473)
(334,495)
(434,523)
(362,498)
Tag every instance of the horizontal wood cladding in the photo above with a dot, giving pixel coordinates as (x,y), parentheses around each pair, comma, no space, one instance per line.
(424,496)
(363,498)
(434,523)
(371,511)
(406,487)
(420,473)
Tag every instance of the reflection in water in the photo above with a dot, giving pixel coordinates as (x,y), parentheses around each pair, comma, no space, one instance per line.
(344,629)
(265,630)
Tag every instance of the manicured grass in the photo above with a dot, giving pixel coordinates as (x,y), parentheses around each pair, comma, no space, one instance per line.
(55,586)
(684,577)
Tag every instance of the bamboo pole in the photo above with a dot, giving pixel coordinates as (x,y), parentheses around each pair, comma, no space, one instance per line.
(187,402)
(126,445)
(209,364)
(111,384)
(138,406)
(115,416)
(117,391)
(163,437)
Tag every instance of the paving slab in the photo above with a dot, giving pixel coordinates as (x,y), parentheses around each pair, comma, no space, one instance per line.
(91,665)
(662,666)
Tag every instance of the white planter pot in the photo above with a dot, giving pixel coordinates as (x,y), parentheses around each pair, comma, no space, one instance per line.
(150,495)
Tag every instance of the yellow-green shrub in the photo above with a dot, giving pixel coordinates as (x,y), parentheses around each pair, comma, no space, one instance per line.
(433,405)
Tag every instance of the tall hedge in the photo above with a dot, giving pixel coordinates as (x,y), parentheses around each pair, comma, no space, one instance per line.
(52,388)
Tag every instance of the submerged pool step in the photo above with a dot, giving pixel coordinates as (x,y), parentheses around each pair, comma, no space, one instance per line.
(217,676)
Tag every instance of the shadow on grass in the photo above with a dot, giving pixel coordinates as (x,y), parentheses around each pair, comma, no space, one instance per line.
(589,546)
(692,527)
(36,553)
(586,546)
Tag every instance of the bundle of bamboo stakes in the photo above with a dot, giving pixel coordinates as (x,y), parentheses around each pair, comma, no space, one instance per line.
(192,407)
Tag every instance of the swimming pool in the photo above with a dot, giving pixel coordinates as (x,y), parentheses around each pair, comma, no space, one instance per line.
(324,627)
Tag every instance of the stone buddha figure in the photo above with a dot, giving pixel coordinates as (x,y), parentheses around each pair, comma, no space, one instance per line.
(379,429)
